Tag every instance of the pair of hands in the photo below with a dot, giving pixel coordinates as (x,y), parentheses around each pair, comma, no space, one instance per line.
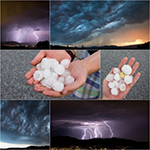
(77,69)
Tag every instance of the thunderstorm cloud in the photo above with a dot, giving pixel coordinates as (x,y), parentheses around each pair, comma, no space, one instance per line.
(74,22)
(25,122)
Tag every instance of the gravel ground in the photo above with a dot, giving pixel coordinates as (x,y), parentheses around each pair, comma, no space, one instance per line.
(112,58)
(14,65)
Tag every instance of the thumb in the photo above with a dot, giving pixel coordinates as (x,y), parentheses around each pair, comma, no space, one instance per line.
(74,86)
(38,58)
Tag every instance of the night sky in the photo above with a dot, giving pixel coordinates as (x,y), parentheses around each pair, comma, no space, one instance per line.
(25,21)
(24,123)
(98,23)
(127,119)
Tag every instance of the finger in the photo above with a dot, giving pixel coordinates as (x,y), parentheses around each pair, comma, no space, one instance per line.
(137,76)
(131,61)
(38,58)
(40,88)
(52,94)
(124,60)
(135,66)
(30,73)
(74,86)
(36,82)
(30,81)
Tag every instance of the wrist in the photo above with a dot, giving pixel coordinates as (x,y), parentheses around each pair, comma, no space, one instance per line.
(71,54)
(105,98)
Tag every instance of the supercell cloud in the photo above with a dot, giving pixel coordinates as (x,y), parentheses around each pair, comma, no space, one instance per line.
(78,22)
(25,122)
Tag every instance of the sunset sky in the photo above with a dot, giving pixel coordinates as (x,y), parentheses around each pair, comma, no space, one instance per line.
(99,23)
(24,123)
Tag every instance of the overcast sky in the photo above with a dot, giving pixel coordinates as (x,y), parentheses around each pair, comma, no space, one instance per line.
(24,123)
(97,23)
(127,119)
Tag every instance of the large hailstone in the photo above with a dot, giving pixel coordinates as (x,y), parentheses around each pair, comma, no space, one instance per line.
(49,82)
(114,91)
(116,70)
(128,79)
(65,63)
(59,69)
(69,80)
(38,75)
(110,77)
(116,84)
(58,86)
(38,66)
(66,73)
(45,64)
(46,73)
(111,85)
(126,69)
(117,77)
(122,87)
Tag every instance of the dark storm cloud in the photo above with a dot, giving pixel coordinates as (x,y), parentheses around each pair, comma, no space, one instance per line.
(34,15)
(125,117)
(80,21)
(25,121)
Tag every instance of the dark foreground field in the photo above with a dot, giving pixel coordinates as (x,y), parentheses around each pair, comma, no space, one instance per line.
(61,142)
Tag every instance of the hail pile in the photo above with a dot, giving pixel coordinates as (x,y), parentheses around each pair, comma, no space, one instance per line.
(118,80)
(53,75)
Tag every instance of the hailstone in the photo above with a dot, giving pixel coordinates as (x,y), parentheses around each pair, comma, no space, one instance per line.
(45,64)
(116,70)
(117,77)
(126,69)
(58,86)
(114,91)
(46,73)
(122,87)
(111,85)
(128,79)
(65,63)
(59,69)
(38,75)
(110,77)
(69,80)
(66,73)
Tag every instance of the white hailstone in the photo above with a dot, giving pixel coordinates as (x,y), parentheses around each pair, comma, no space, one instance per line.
(61,79)
(45,64)
(46,73)
(128,79)
(49,82)
(54,63)
(121,81)
(43,82)
(116,84)
(54,75)
(59,69)
(117,77)
(126,69)
(116,70)
(69,80)
(122,87)
(111,85)
(38,66)
(66,73)
(38,75)
(65,63)
(110,77)
(114,91)
(58,86)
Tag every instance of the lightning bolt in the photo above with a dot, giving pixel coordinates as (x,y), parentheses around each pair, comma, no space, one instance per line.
(110,129)
(84,134)
(36,36)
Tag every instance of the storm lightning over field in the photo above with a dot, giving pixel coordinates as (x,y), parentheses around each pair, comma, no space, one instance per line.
(100,119)
(25,22)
